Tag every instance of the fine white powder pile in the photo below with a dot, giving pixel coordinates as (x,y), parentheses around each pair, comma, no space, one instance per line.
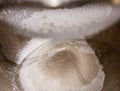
(62,23)
(41,73)
(70,23)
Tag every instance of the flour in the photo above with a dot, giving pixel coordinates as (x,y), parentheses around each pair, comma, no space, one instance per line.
(69,23)
(64,23)
(39,73)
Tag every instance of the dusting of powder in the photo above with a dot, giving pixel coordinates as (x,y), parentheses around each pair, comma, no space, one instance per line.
(15,80)
(11,75)
(9,80)
(34,43)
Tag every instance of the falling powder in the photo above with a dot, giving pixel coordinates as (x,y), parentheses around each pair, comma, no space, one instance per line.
(60,66)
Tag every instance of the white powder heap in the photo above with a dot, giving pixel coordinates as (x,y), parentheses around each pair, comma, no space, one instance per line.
(62,23)
(71,23)
(76,22)
(41,73)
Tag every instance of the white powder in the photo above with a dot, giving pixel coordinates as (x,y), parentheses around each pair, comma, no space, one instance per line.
(33,78)
(70,23)
(34,43)
(62,23)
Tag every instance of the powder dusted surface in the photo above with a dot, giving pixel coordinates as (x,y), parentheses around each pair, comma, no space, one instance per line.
(41,73)
(9,80)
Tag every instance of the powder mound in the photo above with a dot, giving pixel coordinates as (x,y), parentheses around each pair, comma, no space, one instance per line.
(61,66)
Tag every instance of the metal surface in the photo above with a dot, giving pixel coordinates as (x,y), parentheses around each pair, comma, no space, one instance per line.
(106,45)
